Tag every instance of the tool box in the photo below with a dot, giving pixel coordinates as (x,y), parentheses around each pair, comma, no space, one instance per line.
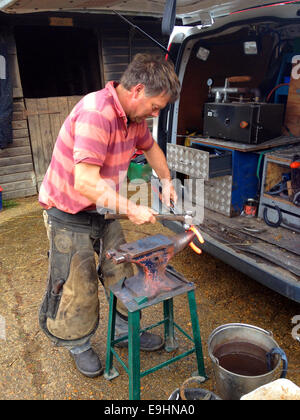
(221,170)
(278,204)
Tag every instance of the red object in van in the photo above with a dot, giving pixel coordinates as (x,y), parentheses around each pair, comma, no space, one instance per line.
(295,165)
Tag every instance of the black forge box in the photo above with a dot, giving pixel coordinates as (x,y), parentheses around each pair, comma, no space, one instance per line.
(249,123)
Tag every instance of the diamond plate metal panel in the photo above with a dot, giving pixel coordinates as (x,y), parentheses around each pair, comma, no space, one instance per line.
(217,194)
(188,161)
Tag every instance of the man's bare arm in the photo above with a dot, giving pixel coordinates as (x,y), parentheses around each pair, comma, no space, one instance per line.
(89,183)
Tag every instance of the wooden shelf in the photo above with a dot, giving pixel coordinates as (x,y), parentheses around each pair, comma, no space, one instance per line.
(279,141)
(279,199)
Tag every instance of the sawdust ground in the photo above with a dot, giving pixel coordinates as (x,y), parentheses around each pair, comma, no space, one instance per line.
(32,368)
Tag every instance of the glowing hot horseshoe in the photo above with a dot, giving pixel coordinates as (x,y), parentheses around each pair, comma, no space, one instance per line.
(199,237)
(195,248)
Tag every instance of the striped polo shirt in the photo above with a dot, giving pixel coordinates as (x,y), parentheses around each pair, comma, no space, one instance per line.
(95,132)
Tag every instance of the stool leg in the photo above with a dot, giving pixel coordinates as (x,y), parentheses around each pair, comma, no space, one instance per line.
(170,341)
(134,355)
(110,372)
(196,333)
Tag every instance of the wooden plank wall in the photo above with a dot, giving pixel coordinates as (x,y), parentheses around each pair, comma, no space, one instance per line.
(14,65)
(36,122)
(120,44)
(45,118)
(17,177)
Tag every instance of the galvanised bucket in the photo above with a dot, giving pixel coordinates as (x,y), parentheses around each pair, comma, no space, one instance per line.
(244,357)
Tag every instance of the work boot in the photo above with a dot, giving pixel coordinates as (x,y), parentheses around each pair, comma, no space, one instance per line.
(148,342)
(88,363)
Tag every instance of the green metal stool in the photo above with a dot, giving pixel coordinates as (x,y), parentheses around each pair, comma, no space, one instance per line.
(134,305)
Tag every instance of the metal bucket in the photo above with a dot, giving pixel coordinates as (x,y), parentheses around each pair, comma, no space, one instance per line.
(244,357)
(185,393)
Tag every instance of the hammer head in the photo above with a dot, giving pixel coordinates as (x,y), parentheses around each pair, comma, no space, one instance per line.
(188,220)
(188,215)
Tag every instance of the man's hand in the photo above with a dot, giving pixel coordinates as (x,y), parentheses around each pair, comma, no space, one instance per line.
(168,192)
(140,214)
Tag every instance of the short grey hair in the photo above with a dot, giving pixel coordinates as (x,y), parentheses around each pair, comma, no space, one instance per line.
(155,72)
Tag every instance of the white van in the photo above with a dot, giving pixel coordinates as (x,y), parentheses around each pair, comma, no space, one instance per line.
(236,126)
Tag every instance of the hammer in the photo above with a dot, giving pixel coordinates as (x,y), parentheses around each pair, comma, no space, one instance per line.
(186,219)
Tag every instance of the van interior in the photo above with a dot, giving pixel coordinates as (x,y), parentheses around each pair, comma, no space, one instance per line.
(225,56)
(239,110)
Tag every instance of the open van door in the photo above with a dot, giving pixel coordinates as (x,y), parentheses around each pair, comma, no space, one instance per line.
(185,9)
(251,186)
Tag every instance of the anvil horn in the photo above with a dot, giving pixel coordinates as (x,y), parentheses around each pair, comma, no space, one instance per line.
(182,240)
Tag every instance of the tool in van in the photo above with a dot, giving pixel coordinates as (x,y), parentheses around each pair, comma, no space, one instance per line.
(295,165)
(295,179)
(221,93)
(296,162)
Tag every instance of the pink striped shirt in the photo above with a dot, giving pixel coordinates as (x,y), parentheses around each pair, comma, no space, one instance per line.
(95,132)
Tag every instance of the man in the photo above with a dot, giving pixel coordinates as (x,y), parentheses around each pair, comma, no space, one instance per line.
(90,159)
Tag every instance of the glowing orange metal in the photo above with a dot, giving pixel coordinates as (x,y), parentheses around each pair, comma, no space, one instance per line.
(200,239)
(195,248)
(295,165)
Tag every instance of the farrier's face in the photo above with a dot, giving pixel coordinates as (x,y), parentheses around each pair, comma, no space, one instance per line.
(147,106)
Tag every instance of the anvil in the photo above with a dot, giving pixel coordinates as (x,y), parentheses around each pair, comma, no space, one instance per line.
(151,255)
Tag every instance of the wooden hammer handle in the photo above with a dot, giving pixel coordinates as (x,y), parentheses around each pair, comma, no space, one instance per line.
(239,79)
